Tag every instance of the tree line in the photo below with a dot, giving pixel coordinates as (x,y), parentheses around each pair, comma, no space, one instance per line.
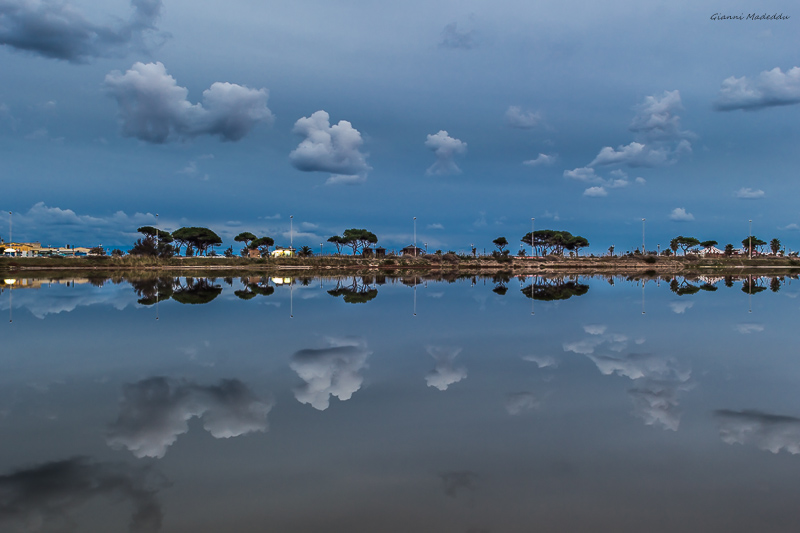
(201,241)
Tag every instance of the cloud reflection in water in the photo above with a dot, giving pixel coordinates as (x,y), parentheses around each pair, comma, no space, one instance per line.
(332,371)
(155,411)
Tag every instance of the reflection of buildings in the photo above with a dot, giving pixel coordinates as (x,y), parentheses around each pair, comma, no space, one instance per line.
(30,283)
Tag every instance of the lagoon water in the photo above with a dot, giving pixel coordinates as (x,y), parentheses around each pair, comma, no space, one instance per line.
(389,405)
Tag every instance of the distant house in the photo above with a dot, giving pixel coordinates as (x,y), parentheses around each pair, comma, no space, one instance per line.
(253,253)
(280,251)
(377,252)
(413,251)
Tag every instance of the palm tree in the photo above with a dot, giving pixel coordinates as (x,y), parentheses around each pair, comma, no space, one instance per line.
(305,251)
(775,245)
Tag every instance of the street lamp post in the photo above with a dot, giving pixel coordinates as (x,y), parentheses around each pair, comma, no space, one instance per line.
(291,229)
(750,239)
(156,234)
(415,236)
(10,235)
(320,249)
(643,248)
(533,221)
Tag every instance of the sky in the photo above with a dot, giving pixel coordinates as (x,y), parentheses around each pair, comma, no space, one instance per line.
(473,118)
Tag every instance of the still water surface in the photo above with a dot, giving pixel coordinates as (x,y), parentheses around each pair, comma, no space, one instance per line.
(252,405)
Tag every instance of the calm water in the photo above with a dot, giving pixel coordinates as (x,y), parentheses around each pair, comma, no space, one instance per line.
(253,405)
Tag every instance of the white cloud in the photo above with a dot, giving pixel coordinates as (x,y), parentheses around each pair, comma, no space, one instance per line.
(656,118)
(595,192)
(641,181)
(155,109)
(679,214)
(769,89)
(747,192)
(517,118)
(435,226)
(657,403)
(326,148)
(749,328)
(331,371)
(155,411)
(634,154)
(444,373)
(659,139)
(585,174)
(541,159)
(57,30)
(791,226)
(445,148)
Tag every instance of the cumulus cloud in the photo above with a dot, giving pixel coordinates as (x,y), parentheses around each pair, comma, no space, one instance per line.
(49,496)
(57,30)
(659,139)
(516,117)
(679,214)
(446,149)
(657,120)
(747,192)
(331,371)
(595,192)
(637,154)
(445,372)
(585,174)
(326,148)
(155,411)
(765,431)
(520,402)
(541,159)
(453,37)
(155,109)
(640,181)
(771,88)
(435,225)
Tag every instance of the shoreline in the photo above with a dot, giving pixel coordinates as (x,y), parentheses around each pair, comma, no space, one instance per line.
(647,266)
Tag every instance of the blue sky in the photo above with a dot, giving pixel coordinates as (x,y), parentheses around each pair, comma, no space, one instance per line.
(472,118)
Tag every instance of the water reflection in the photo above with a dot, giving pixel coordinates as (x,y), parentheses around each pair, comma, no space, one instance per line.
(355,290)
(765,431)
(658,380)
(611,381)
(330,371)
(445,373)
(155,411)
(549,289)
(47,497)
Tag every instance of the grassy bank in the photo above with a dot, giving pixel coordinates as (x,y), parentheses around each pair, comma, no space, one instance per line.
(328,265)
